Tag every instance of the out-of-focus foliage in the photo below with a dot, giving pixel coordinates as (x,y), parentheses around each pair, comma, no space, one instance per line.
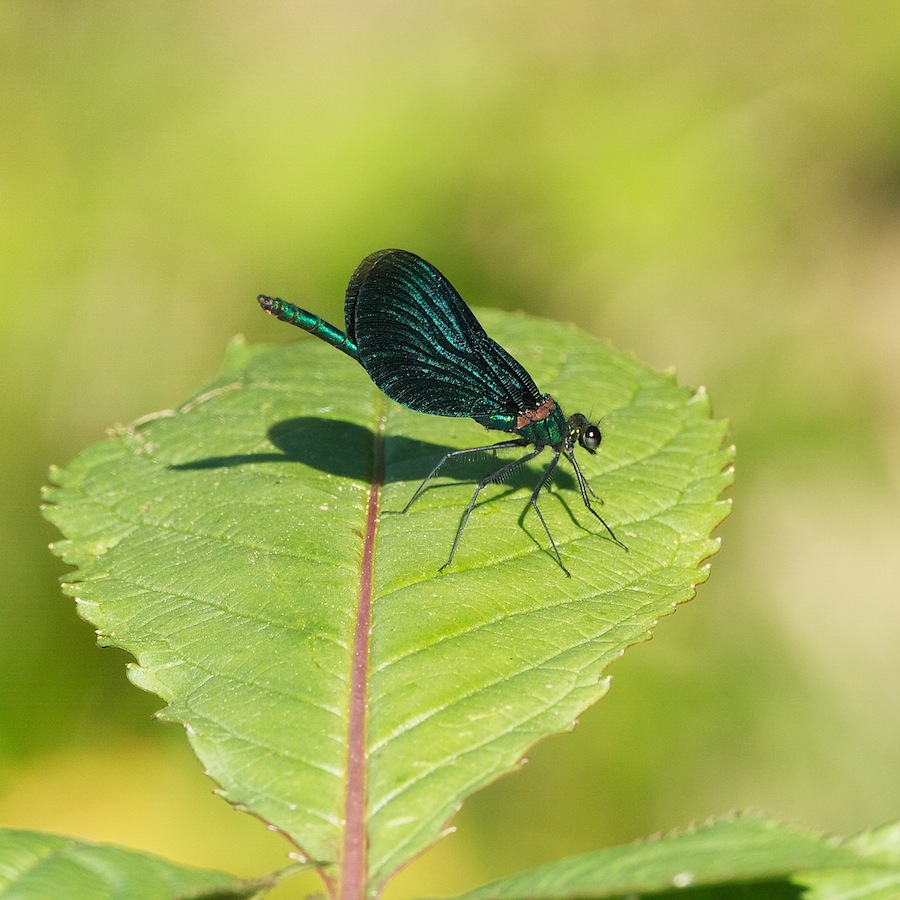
(714,187)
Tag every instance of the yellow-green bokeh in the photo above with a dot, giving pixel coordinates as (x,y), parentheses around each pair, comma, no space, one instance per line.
(714,187)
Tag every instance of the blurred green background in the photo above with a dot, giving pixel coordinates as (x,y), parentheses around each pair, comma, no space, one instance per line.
(714,187)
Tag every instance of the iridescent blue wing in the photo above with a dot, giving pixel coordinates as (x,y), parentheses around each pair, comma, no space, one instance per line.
(422,345)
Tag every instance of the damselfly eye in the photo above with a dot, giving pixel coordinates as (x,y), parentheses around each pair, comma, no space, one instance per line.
(590,438)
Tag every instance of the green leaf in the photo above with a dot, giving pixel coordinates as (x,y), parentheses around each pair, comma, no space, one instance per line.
(747,857)
(875,877)
(330,679)
(36,866)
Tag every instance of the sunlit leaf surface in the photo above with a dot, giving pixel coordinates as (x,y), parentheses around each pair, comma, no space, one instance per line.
(224,545)
(36,866)
(747,857)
